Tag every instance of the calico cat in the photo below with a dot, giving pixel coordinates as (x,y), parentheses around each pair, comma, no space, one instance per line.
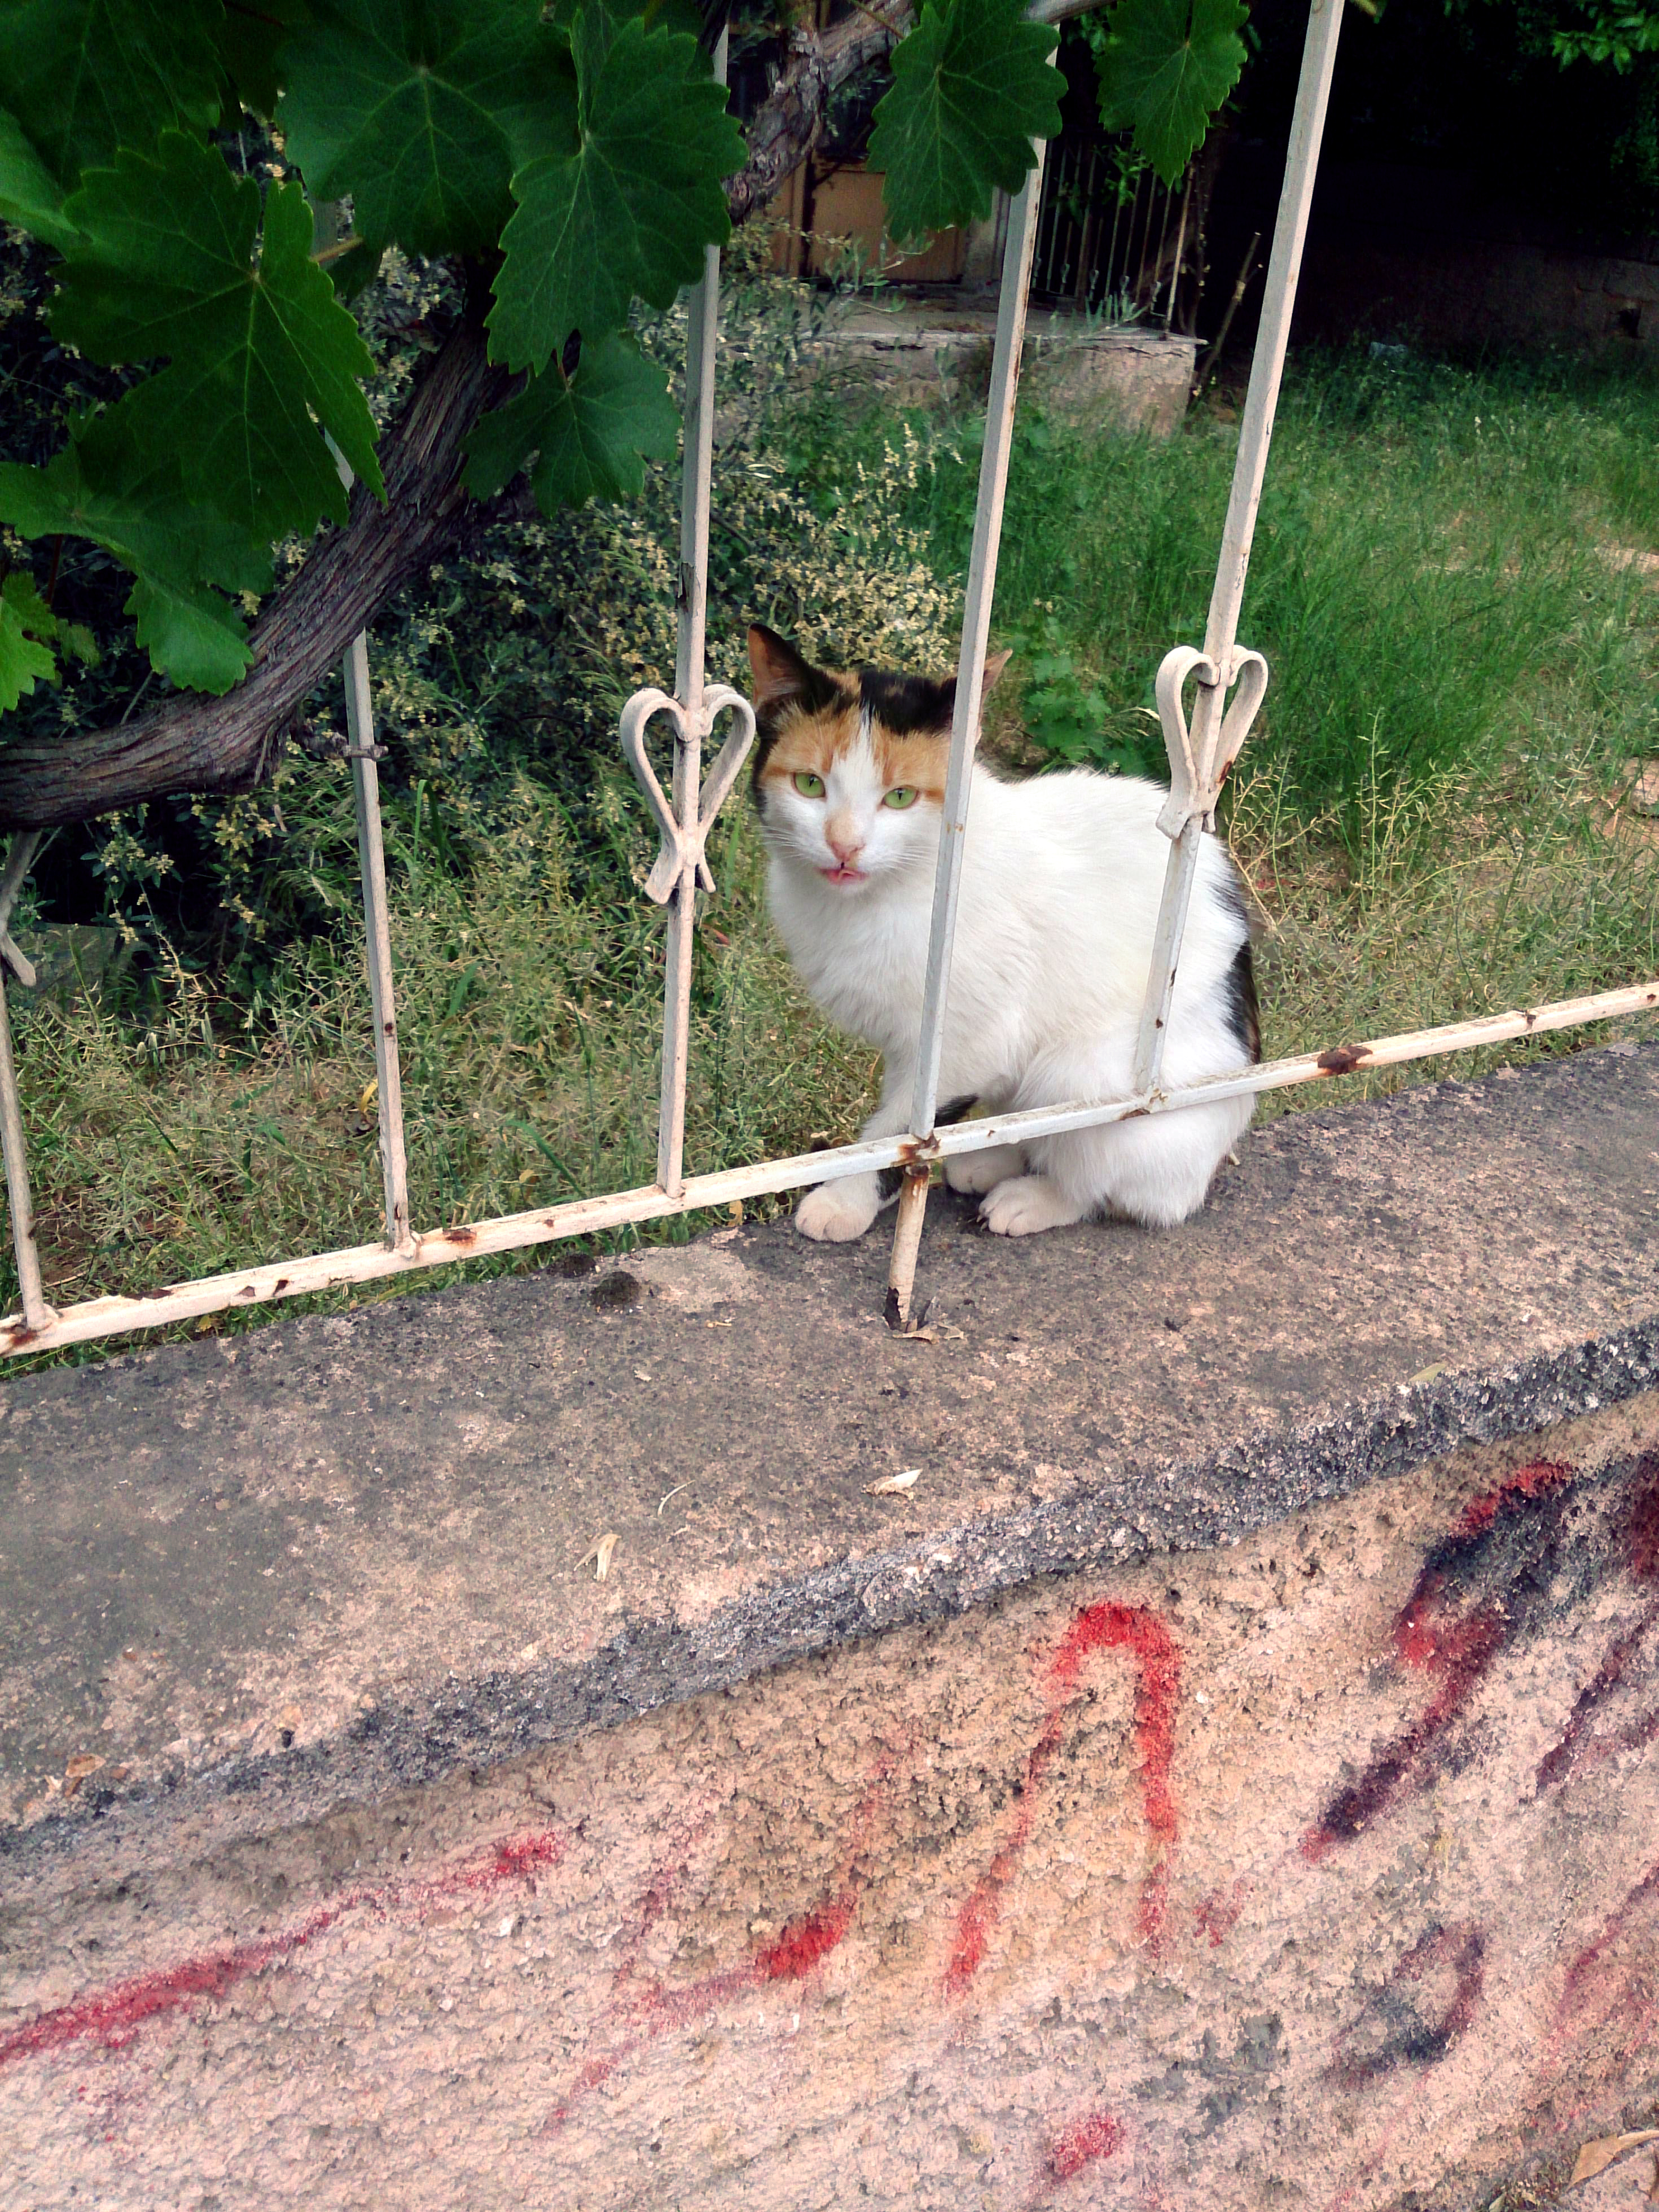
(1060,883)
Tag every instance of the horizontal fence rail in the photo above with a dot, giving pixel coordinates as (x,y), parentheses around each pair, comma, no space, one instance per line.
(583,1216)
(1200,758)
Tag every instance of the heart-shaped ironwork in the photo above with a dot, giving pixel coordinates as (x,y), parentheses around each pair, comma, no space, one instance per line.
(683,843)
(1196,774)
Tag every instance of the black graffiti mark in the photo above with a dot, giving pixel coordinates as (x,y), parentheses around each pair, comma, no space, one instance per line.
(1577,1749)
(1488,1578)
(1393,2027)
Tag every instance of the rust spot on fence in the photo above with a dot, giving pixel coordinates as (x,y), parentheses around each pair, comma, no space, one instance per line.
(464,1235)
(1343,1059)
(248,1291)
(893,1312)
(916,1154)
(280,1285)
(391,1028)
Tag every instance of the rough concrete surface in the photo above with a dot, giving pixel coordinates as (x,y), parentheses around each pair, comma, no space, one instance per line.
(1128,380)
(1224,1779)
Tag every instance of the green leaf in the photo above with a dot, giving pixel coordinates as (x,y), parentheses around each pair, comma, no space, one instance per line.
(668,14)
(256,341)
(30,196)
(1165,67)
(141,516)
(87,76)
(971,89)
(22,657)
(250,37)
(588,430)
(26,602)
(423,109)
(136,509)
(192,635)
(629,211)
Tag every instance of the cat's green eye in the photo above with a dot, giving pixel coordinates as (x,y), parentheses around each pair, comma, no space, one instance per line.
(901,796)
(808,785)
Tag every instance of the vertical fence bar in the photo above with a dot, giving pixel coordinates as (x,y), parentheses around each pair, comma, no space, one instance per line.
(702,326)
(36,1311)
(377,934)
(964,728)
(1256,434)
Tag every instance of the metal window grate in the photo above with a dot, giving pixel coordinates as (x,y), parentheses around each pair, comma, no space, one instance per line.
(1199,756)
(1113,239)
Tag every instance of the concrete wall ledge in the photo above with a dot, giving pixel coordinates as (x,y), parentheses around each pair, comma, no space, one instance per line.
(1224,1778)
(1128,379)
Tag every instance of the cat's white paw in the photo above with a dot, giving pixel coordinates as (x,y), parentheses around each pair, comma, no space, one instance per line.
(1025,1204)
(836,1212)
(983,1171)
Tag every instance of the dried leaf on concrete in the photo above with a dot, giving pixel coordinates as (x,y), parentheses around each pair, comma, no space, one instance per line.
(600,1555)
(889,1486)
(1595,2157)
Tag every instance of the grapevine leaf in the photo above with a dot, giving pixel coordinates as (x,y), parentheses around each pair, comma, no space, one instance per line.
(669,15)
(250,39)
(587,431)
(26,602)
(423,109)
(22,658)
(30,196)
(1164,67)
(139,513)
(630,210)
(136,509)
(192,635)
(88,76)
(970,90)
(257,343)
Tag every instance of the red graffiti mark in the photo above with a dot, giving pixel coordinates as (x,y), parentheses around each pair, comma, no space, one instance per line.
(1432,1638)
(113,2016)
(1216,1914)
(807,1943)
(1538,1480)
(1611,1986)
(1106,1627)
(1642,1527)
(1575,1751)
(1392,2030)
(1082,2142)
(804,1945)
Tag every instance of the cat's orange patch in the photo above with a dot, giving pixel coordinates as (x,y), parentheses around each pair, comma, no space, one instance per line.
(809,744)
(917,760)
(806,744)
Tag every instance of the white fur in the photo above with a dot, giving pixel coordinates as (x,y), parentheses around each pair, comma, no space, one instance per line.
(1060,883)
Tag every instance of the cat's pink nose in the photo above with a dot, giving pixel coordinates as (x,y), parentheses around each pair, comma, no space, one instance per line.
(845,844)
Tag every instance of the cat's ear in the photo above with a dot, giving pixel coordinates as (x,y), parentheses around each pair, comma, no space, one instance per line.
(994,664)
(781,675)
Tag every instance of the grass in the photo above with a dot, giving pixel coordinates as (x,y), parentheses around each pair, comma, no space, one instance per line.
(1451,588)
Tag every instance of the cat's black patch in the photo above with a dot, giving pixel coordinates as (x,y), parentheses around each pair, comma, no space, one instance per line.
(1230,892)
(906,705)
(814,689)
(1243,1014)
(956,1109)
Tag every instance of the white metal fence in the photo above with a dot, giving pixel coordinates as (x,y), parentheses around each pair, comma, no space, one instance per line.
(1229,684)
